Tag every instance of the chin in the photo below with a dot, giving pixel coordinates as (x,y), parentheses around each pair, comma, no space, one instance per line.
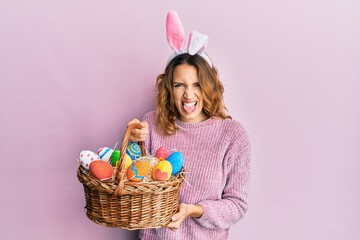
(191,118)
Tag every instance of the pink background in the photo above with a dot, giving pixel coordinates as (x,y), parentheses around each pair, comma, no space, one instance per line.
(73,73)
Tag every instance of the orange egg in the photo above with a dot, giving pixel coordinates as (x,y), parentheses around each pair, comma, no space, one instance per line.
(138,171)
(162,171)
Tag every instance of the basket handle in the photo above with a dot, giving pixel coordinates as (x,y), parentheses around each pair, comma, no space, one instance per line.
(120,166)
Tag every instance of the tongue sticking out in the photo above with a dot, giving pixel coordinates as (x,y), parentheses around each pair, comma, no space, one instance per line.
(189,108)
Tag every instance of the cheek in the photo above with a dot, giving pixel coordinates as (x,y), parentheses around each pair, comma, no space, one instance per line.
(200,95)
(177,96)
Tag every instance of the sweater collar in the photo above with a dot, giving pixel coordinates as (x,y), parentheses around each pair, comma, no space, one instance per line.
(194,125)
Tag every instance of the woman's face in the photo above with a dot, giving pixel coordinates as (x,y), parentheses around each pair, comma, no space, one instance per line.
(187,94)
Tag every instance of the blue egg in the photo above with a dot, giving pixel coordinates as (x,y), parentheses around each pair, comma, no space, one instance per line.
(177,161)
(133,150)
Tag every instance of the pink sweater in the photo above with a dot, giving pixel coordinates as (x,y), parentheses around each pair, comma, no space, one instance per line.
(217,157)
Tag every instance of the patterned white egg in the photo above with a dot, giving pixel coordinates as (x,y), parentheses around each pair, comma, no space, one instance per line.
(105,153)
(86,157)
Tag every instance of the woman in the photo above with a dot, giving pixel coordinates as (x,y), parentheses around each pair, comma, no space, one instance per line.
(190,117)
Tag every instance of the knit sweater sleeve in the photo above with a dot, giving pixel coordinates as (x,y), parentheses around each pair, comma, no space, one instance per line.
(221,213)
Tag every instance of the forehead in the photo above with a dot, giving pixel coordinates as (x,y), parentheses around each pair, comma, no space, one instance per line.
(185,72)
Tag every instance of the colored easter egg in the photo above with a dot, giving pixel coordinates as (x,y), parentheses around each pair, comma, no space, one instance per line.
(162,171)
(101,170)
(177,161)
(133,150)
(138,171)
(86,157)
(115,156)
(162,153)
(105,153)
(128,161)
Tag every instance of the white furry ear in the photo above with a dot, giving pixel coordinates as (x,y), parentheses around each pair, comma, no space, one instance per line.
(197,42)
(174,31)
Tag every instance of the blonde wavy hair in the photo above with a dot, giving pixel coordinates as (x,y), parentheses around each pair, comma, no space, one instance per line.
(210,85)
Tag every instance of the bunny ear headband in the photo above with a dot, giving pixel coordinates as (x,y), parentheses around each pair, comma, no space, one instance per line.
(176,36)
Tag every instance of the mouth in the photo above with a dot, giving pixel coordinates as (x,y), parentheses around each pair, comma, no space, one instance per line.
(189,107)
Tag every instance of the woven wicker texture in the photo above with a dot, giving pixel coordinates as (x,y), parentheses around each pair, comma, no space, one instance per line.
(130,205)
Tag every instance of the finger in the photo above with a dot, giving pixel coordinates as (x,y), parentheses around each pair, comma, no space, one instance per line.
(143,135)
(144,124)
(134,121)
(140,132)
(137,133)
(135,139)
(180,214)
(173,226)
(175,217)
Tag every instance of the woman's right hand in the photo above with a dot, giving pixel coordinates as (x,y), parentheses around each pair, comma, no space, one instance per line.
(138,135)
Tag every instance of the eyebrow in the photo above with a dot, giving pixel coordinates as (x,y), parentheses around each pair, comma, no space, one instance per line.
(185,83)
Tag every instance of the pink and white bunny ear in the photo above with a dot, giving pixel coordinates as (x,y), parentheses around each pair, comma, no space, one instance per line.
(197,42)
(174,31)
(176,38)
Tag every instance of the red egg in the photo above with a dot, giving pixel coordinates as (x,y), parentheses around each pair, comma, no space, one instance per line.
(162,153)
(101,170)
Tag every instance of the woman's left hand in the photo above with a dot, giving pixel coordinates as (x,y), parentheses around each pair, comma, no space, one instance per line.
(185,211)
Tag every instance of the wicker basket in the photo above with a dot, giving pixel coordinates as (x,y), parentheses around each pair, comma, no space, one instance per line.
(130,205)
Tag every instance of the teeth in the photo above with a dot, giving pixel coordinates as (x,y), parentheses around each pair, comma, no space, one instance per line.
(189,104)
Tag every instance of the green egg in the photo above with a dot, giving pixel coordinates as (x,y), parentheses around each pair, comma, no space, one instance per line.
(115,156)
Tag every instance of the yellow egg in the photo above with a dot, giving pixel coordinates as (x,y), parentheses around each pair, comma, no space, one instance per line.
(128,161)
(162,171)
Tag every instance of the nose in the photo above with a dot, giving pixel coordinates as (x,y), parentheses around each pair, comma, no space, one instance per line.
(189,93)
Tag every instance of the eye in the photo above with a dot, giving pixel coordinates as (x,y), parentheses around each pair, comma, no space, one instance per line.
(197,84)
(178,85)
